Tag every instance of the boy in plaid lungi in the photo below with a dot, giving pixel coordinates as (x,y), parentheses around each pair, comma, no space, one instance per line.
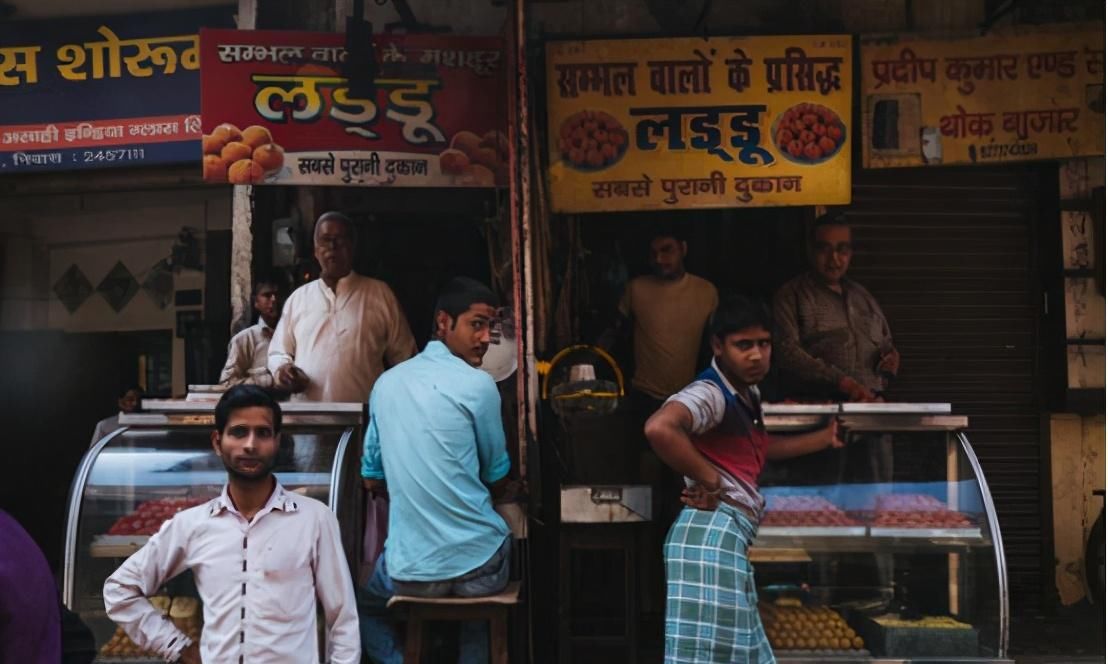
(713,433)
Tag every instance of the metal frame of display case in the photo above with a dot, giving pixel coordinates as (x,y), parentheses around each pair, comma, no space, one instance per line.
(892,417)
(201,413)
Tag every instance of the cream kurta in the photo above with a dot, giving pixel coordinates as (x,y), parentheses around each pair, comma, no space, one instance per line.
(343,341)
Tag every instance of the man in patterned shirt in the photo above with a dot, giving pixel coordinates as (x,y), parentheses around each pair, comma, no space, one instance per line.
(834,342)
(713,433)
(248,351)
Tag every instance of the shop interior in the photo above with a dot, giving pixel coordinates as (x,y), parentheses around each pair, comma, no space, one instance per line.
(750,252)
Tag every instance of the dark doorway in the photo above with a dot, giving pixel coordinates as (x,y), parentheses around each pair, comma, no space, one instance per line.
(56,387)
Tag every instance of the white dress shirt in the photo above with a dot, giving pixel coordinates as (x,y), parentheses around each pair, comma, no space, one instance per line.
(104,427)
(341,339)
(247,355)
(258,580)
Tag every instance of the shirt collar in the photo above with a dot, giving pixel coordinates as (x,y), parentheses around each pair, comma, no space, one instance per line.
(278,500)
(437,350)
(723,377)
(264,326)
(731,388)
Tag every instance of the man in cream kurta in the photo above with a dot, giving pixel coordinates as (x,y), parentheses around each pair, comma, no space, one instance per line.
(338,334)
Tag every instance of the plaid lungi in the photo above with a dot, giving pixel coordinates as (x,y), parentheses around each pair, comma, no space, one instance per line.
(711,605)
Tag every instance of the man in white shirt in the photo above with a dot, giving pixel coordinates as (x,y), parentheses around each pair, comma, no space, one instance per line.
(129,402)
(248,352)
(338,334)
(261,557)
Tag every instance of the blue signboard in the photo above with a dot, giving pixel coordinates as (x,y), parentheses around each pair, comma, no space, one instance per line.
(96,92)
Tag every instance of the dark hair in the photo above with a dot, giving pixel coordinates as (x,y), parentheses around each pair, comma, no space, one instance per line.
(667,229)
(339,218)
(739,312)
(825,220)
(460,293)
(267,280)
(133,387)
(245,396)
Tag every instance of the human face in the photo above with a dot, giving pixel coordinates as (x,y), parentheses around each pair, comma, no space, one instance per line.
(744,356)
(129,402)
(266,303)
(830,253)
(467,336)
(334,249)
(248,444)
(667,257)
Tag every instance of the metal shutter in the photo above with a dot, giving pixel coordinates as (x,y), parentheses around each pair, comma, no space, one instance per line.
(949,254)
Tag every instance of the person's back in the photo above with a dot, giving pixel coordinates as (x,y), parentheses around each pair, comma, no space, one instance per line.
(435,441)
(428,414)
(30,614)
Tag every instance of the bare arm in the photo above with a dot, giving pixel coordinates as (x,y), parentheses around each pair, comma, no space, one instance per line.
(788,447)
(668,433)
(620,327)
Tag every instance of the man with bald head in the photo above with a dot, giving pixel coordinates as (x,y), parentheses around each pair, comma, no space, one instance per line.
(338,334)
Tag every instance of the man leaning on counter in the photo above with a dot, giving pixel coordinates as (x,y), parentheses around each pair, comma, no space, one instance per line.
(339,333)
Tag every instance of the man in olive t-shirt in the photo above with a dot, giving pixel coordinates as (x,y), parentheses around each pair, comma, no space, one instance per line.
(667,312)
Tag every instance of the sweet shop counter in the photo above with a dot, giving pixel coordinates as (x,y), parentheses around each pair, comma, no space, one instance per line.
(887,550)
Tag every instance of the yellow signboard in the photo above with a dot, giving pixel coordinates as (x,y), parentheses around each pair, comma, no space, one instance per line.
(658,124)
(1012,96)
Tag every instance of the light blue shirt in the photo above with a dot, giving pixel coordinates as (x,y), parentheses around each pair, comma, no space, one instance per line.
(436,437)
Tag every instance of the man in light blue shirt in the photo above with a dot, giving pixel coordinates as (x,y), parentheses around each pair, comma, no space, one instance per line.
(436,441)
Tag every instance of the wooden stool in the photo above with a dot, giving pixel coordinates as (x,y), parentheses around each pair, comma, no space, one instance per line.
(493,608)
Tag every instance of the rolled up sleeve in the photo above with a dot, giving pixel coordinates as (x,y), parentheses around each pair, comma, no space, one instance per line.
(141,575)
(492,447)
(372,467)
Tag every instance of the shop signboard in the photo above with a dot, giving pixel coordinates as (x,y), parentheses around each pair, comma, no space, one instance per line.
(1016,95)
(659,124)
(278,109)
(97,92)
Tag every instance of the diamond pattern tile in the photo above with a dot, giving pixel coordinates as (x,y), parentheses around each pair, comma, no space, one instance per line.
(118,287)
(73,288)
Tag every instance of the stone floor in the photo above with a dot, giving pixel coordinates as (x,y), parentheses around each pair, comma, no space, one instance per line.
(1073,634)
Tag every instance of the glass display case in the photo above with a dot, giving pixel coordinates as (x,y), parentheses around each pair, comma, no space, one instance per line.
(885,550)
(162,462)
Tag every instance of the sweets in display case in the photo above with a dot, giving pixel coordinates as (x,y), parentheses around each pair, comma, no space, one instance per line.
(790,625)
(916,511)
(149,516)
(804,511)
(183,611)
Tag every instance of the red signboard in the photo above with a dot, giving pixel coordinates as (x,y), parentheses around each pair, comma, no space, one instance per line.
(276,109)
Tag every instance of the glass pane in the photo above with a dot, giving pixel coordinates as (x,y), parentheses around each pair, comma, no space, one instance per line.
(888,535)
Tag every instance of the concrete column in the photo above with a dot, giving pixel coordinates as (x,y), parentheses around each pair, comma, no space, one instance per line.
(242,208)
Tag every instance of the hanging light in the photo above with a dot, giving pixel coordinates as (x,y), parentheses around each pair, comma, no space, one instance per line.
(360,67)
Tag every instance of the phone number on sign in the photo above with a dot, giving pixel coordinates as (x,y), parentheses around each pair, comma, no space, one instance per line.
(128,154)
